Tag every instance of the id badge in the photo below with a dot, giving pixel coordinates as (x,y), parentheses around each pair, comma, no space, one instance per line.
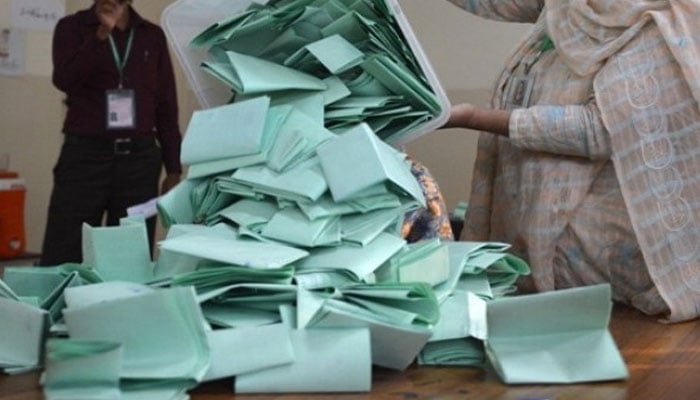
(519,91)
(121,109)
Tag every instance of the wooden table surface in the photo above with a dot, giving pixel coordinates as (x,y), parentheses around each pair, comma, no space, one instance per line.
(664,363)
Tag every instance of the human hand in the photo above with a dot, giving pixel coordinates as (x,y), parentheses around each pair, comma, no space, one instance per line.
(109,13)
(469,116)
(169,182)
(460,116)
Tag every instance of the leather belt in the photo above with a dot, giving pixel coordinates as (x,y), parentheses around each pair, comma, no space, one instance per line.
(112,145)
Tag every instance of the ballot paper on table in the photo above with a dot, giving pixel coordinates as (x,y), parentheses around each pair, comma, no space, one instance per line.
(156,389)
(305,182)
(55,301)
(7,292)
(163,333)
(171,263)
(175,207)
(554,337)
(40,286)
(359,260)
(38,282)
(82,370)
(248,349)
(24,328)
(224,315)
(291,226)
(357,160)
(464,352)
(263,296)
(213,275)
(464,315)
(457,251)
(325,206)
(404,303)
(394,342)
(503,274)
(325,360)
(363,228)
(118,252)
(422,261)
(216,244)
(249,213)
(87,295)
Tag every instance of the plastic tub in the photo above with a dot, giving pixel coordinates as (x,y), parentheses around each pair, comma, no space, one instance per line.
(184,19)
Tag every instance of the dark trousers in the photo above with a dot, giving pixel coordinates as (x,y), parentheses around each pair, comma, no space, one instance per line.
(96,179)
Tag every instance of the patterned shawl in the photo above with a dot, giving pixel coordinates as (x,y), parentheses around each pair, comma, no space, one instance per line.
(646,57)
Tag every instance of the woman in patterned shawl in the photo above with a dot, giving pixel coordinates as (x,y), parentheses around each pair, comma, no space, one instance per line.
(592,161)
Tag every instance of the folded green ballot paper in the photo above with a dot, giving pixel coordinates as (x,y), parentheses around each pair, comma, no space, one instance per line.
(398,334)
(348,179)
(248,349)
(24,328)
(554,337)
(163,333)
(213,244)
(82,370)
(225,132)
(118,252)
(325,360)
(424,261)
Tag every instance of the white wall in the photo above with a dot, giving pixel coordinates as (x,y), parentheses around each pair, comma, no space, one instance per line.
(465,52)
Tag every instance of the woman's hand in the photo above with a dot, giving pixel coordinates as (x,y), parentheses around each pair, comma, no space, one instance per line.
(469,116)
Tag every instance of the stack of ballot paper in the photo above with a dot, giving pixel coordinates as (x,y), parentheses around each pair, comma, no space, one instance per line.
(361,59)
(289,329)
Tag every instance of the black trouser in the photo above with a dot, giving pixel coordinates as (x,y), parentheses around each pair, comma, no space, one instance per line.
(94,176)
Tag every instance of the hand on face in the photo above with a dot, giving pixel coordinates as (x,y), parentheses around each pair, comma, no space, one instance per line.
(110,12)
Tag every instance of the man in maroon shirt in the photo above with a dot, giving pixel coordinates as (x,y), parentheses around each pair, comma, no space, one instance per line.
(121,124)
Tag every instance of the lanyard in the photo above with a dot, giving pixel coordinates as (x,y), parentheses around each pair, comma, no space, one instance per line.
(121,63)
(546,44)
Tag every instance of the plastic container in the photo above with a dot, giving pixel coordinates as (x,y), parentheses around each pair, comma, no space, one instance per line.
(184,19)
(12,235)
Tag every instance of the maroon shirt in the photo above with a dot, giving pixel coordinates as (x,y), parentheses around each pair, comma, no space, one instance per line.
(84,69)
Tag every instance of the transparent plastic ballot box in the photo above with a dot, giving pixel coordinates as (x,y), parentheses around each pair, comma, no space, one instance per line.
(184,19)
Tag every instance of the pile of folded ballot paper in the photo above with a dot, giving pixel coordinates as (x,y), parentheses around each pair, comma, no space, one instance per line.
(283,265)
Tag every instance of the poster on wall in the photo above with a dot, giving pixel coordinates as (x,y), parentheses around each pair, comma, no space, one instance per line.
(41,15)
(12,51)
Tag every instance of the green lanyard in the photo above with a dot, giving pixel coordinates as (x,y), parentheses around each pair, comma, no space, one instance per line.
(117,58)
(545,44)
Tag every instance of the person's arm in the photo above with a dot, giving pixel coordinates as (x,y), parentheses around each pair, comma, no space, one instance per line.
(503,10)
(469,116)
(73,55)
(166,119)
(575,130)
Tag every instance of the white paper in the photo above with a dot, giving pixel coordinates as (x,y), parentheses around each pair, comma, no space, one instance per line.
(12,51)
(39,15)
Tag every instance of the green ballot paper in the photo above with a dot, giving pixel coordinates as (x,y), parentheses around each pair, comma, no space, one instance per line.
(82,370)
(325,360)
(554,337)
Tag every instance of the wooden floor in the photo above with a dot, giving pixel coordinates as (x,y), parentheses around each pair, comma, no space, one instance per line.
(664,363)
